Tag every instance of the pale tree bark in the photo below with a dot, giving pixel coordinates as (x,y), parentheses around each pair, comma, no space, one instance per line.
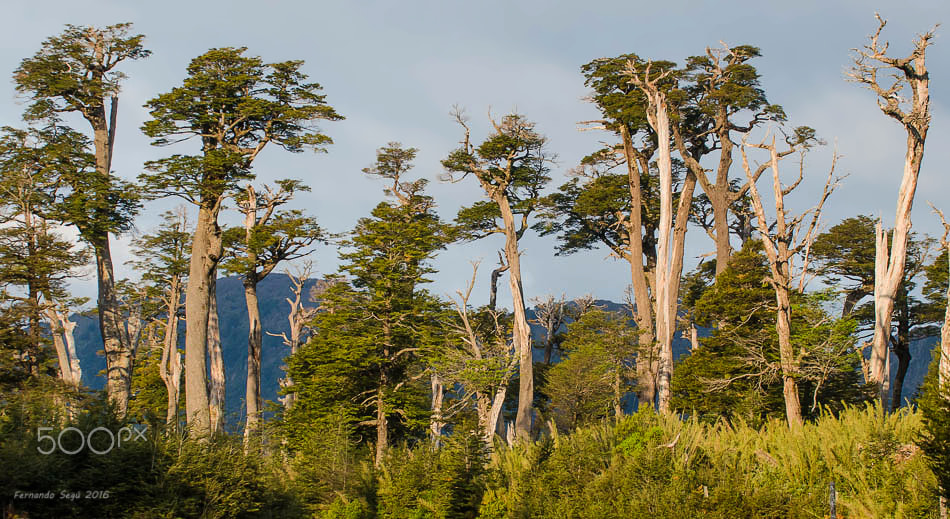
(169,368)
(781,248)
(298,318)
(550,315)
(206,251)
(496,182)
(495,274)
(669,261)
(489,398)
(65,344)
(642,304)
(907,73)
(217,386)
(943,366)
(436,420)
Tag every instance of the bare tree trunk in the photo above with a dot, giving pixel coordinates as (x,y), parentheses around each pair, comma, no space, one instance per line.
(495,274)
(114,342)
(218,389)
(170,367)
(793,407)
(889,262)
(781,249)
(521,332)
(382,425)
(643,308)
(254,339)
(436,422)
(669,265)
(117,352)
(205,253)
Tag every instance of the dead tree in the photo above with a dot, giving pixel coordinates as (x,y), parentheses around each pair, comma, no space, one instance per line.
(62,330)
(550,314)
(908,73)
(298,319)
(782,241)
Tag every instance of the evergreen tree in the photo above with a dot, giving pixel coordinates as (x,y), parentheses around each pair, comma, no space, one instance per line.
(373,328)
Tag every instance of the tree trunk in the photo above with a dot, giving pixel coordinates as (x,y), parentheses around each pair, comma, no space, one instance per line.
(659,119)
(206,251)
(521,331)
(218,396)
(117,352)
(943,367)
(254,339)
(793,407)
(436,422)
(382,426)
(643,311)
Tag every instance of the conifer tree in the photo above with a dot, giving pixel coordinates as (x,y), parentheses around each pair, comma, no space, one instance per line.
(373,328)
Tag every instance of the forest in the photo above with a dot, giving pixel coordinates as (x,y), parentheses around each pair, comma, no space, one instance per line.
(775,377)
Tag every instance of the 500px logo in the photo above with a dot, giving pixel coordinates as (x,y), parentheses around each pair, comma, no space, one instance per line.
(105,439)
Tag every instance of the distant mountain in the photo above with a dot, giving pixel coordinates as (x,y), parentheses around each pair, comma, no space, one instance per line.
(272,294)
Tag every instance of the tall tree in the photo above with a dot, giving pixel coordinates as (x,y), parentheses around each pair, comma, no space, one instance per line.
(236,105)
(269,237)
(76,71)
(670,240)
(511,167)
(789,238)
(908,73)
(162,257)
(365,354)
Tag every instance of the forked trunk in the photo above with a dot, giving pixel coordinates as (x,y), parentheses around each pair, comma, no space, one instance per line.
(521,331)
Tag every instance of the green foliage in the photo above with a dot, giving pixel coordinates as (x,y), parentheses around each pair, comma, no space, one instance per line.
(590,383)
(154,477)
(373,330)
(235,104)
(444,483)
(75,71)
(934,403)
(650,466)
(736,372)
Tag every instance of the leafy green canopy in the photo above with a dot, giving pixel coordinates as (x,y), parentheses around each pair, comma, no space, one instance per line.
(235,105)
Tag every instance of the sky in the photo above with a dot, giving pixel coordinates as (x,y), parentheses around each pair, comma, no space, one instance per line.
(395,69)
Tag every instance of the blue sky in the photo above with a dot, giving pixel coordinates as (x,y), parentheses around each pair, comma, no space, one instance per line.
(394,70)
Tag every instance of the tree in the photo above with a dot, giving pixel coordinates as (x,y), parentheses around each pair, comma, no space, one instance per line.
(737,372)
(364,357)
(846,252)
(909,73)
(77,72)
(606,343)
(721,85)
(35,261)
(479,357)
(936,279)
(671,242)
(550,314)
(782,245)
(299,318)
(163,262)
(236,105)
(511,168)
(268,238)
